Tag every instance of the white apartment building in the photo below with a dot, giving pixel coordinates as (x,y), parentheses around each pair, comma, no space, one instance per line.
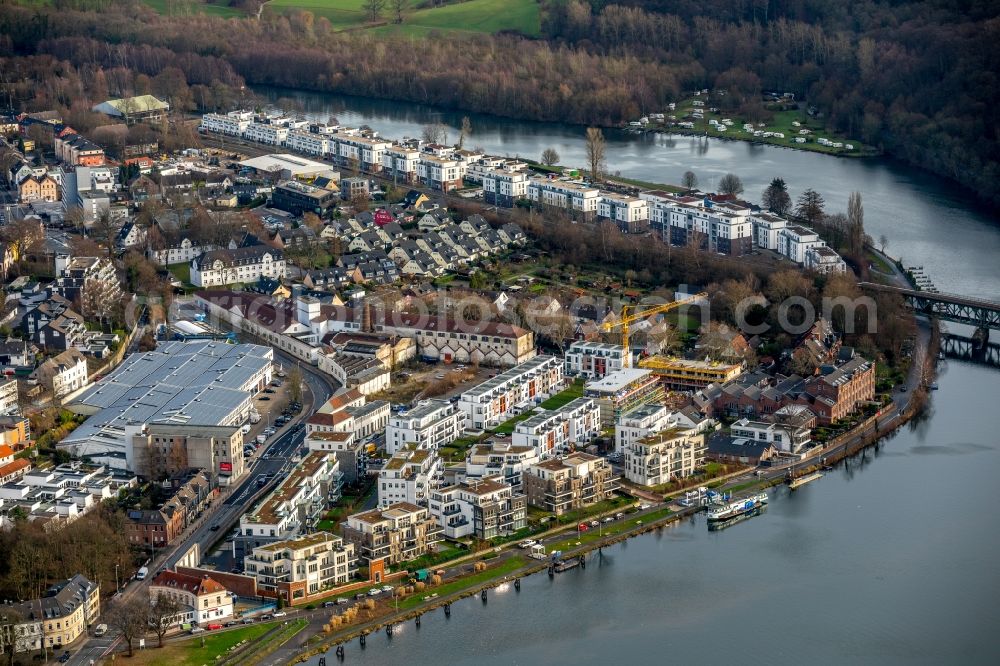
(430,425)
(297,569)
(664,456)
(593,360)
(478,169)
(440,173)
(631,214)
(824,259)
(503,187)
(307,142)
(484,508)
(788,438)
(767,228)
(400,162)
(297,503)
(795,240)
(717,227)
(274,135)
(565,194)
(500,459)
(409,476)
(557,430)
(243,265)
(234,123)
(512,391)
(363,151)
(640,422)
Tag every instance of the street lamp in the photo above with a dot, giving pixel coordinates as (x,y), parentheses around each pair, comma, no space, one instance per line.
(117,586)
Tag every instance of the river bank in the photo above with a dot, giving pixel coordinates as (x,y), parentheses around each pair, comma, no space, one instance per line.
(655,518)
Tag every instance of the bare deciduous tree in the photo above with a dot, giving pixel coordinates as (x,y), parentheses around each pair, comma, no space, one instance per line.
(731,184)
(130,618)
(689,180)
(162,611)
(595,152)
(373,9)
(550,157)
(464,132)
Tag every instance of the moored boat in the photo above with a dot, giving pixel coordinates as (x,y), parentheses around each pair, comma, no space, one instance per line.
(736,508)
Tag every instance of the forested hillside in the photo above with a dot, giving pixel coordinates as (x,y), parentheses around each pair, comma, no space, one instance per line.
(918,78)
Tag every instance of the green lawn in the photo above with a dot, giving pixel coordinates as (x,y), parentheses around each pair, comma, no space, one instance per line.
(781,122)
(471,16)
(564,397)
(465,582)
(218,8)
(607,529)
(191,653)
(182,272)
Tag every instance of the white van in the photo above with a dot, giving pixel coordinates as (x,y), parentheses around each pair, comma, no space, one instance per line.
(141,573)
(100,630)
(246,429)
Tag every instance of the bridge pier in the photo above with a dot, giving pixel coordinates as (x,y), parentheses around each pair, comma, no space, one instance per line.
(981,337)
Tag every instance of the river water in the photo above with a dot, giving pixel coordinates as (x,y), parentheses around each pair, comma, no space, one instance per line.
(891,559)
(928,221)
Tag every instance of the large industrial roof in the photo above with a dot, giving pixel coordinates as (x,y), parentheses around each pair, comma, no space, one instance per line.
(185,383)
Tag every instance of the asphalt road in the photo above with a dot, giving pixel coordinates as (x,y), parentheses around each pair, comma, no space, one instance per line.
(272,460)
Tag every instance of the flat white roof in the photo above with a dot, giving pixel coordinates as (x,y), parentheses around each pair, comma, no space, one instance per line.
(617,380)
(296,165)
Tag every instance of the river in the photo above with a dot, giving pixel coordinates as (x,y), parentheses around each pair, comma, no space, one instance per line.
(889,559)
(927,221)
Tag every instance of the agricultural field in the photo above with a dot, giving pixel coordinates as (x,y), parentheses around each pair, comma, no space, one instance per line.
(177,7)
(473,16)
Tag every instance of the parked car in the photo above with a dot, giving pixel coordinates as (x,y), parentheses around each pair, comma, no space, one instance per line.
(100,630)
(387,588)
(374,592)
(64,657)
(329,604)
(526,544)
(279,613)
(248,620)
(196,630)
(341,601)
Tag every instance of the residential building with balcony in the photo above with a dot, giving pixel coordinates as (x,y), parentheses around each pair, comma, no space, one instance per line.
(298,502)
(307,142)
(409,476)
(483,508)
(298,198)
(630,214)
(297,569)
(593,360)
(398,533)
(274,135)
(503,187)
(623,390)
(430,425)
(664,456)
(400,162)
(363,152)
(575,481)
(788,438)
(234,123)
(572,196)
(556,430)
(440,173)
(502,460)
(511,392)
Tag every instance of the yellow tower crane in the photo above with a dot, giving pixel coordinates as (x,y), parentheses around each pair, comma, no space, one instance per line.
(626,320)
